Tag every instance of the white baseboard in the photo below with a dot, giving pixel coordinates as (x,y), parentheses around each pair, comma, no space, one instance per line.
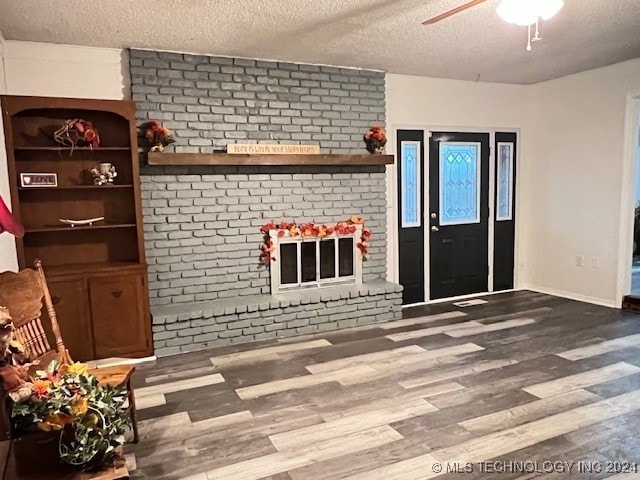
(114,361)
(574,296)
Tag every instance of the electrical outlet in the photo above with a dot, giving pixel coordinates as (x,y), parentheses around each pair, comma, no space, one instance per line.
(595,263)
(579,260)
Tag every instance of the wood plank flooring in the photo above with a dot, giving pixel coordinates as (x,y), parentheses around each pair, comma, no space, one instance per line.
(523,386)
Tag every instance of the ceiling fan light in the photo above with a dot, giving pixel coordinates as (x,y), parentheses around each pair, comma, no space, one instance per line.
(526,12)
(519,12)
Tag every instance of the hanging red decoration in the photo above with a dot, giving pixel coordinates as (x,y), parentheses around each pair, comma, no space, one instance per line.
(8,222)
(313,230)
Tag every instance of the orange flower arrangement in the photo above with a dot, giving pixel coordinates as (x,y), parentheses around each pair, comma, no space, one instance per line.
(41,388)
(57,421)
(375,139)
(66,397)
(153,137)
(311,230)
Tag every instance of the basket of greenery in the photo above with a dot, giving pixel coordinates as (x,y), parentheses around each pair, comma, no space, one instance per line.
(85,421)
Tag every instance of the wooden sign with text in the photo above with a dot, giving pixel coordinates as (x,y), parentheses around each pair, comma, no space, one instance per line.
(38,180)
(272,149)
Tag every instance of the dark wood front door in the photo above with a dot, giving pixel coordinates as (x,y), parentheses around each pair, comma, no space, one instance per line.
(458,213)
(410,161)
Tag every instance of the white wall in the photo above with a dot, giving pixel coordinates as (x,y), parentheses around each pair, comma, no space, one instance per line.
(440,102)
(8,259)
(573,168)
(421,102)
(45,69)
(58,71)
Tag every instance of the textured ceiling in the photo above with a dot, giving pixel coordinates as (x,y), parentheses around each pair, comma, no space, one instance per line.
(379,34)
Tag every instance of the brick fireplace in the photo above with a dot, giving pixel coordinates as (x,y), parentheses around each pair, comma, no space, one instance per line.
(202,223)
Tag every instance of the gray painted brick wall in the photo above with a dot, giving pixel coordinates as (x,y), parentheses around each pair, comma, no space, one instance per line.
(211,101)
(202,224)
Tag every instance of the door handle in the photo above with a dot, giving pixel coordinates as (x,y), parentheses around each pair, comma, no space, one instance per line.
(435,229)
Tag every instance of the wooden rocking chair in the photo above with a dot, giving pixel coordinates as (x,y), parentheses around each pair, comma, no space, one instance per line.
(23,294)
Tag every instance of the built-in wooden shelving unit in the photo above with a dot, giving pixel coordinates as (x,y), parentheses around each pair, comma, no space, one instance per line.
(97,274)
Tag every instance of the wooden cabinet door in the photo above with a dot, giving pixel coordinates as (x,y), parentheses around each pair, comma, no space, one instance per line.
(69,300)
(119,316)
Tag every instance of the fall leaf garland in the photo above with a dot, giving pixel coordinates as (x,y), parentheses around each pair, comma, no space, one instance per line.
(312,230)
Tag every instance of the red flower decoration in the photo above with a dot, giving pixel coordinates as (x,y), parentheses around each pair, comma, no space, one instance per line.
(152,136)
(92,137)
(77,133)
(375,139)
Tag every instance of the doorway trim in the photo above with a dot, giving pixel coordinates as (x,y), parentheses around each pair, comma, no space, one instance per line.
(393,272)
(628,197)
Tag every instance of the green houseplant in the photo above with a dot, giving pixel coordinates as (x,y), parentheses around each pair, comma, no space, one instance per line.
(88,419)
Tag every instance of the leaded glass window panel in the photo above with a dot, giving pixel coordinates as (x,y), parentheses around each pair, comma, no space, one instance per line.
(410,184)
(459,183)
(504,181)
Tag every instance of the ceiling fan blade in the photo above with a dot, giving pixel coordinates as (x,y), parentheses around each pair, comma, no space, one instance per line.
(452,12)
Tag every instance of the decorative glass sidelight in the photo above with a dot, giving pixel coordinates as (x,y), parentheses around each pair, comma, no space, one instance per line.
(504,182)
(410,184)
(459,183)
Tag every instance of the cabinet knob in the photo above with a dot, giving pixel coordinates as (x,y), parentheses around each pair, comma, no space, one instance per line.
(116,293)
(55,299)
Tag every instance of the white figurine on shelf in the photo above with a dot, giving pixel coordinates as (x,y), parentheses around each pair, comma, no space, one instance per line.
(104,174)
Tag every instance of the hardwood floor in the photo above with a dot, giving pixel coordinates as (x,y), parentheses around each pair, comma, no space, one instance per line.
(523,386)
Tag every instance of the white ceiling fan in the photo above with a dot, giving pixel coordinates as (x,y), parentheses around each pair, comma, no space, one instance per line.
(526,13)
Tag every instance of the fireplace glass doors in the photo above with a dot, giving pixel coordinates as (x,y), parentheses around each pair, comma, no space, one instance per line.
(315,262)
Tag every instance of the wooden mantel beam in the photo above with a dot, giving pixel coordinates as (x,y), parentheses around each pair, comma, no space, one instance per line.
(183,159)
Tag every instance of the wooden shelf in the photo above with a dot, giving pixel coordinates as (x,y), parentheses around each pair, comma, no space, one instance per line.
(155,158)
(76,149)
(74,187)
(69,228)
(94,266)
